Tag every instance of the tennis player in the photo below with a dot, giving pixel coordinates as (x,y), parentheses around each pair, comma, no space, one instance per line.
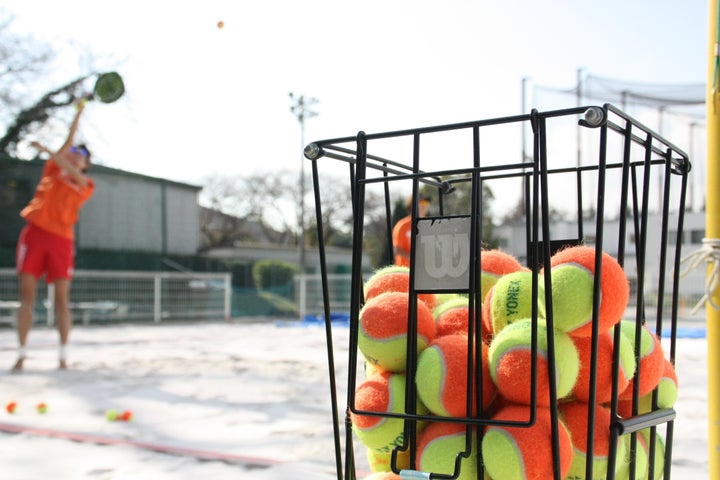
(47,242)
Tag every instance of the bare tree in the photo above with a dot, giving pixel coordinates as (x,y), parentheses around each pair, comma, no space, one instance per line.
(258,207)
(23,62)
(37,114)
(263,207)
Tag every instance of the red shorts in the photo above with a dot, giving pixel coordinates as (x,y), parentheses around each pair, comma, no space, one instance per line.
(41,252)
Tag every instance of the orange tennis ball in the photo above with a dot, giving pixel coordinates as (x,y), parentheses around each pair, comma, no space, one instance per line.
(575,416)
(650,360)
(667,388)
(394,278)
(382,336)
(667,393)
(572,280)
(442,377)
(452,317)
(604,365)
(220,24)
(381,393)
(510,356)
(41,408)
(493,265)
(524,452)
(10,407)
(440,443)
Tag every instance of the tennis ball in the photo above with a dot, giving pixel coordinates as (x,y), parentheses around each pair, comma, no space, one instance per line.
(510,355)
(658,460)
(125,416)
(382,476)
(381,393)
(640,455)
(394,278)
(649,357)
(381,461)
(493,265)
(41,408)
(575,416)
(511,299)
(382,336)
(11,407)
(667,387)
(446,297)
(452,317)
(441,377)
(667,393)
(440,443)
(572,281)
(604,365)
(524,452)
(220,24)
(111,415)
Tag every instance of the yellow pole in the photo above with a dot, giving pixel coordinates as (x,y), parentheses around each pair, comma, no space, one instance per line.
(712,231)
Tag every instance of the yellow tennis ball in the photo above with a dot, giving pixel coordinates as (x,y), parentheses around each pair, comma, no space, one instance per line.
(626,455)
(511,355)
(658,462)
(381,461)
(382,476)
(440,443)
(381,393)
(511,299)
(382,336)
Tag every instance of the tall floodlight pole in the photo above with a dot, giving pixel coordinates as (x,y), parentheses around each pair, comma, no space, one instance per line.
(523,98)
(300,108)
(579,104)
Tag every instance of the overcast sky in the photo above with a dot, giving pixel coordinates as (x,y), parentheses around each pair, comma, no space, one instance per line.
(203,100)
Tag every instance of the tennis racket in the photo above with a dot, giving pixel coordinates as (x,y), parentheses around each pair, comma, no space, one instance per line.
(109,87)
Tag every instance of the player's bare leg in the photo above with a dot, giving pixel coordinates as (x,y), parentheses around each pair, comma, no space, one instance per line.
(28,289)
(63,317)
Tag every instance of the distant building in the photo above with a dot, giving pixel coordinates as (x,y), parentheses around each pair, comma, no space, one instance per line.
(138,222)
(129,212)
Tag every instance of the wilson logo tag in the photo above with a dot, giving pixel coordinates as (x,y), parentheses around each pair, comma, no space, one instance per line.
(442,253)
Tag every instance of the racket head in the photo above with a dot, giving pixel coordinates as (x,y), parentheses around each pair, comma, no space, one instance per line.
(109,87)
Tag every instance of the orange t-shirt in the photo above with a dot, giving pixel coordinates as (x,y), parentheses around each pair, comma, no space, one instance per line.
(401,240)
(57,202)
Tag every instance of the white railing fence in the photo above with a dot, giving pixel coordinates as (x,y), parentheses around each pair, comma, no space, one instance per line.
(104,296)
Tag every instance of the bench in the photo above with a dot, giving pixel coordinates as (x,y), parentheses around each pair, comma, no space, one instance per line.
(105,308)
